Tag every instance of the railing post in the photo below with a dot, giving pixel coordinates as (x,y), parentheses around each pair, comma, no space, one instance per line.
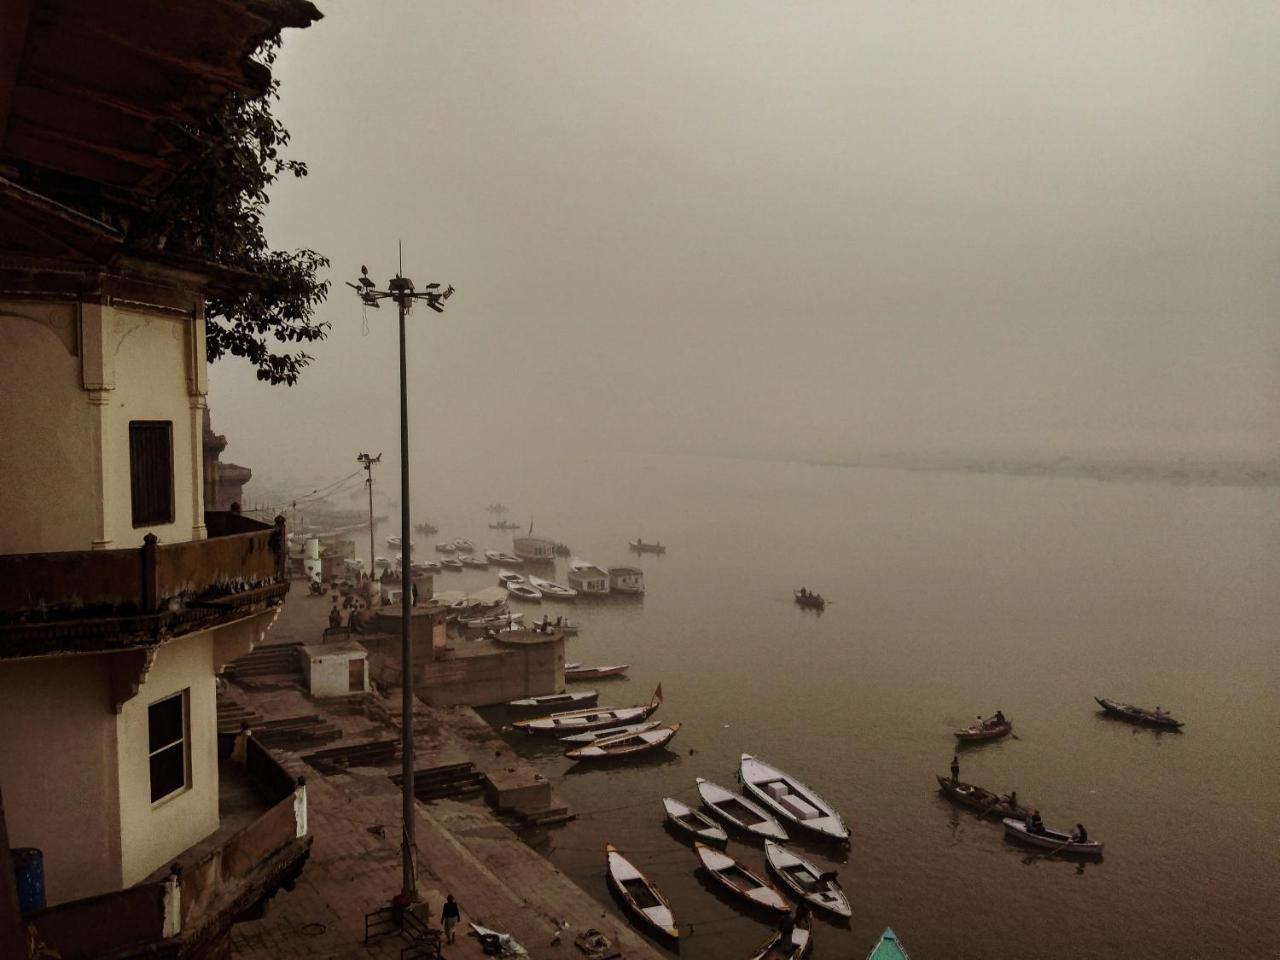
(300,806)
(150,574)
(173,902)
(280,541)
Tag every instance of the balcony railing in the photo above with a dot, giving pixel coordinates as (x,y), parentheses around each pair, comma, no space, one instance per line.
(153,588)
(202,900)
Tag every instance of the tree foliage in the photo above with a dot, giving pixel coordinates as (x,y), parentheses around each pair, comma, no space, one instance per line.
(214,211)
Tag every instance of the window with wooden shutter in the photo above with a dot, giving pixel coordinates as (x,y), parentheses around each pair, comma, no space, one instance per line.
(151,471)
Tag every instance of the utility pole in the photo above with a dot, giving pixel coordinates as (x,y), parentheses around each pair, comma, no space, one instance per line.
(400,289)
(368,463)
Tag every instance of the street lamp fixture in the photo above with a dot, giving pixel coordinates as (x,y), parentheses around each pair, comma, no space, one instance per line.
(401,290)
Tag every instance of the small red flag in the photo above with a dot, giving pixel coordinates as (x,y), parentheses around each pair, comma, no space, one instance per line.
(657,694)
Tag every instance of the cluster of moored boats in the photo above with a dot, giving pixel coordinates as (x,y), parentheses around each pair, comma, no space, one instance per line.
(789,889)
(597,733)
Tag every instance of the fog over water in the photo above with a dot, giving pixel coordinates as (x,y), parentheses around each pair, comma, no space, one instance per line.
(813,229)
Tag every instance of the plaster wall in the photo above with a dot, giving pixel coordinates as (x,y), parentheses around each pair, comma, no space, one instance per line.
(151,383)
(46,460)
(493,677)
(327,675)
(58,771)
(151,835)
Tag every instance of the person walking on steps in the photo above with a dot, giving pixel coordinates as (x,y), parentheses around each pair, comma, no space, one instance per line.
(450,916)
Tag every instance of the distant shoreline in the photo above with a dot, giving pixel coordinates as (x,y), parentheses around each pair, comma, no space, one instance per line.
(1227,473)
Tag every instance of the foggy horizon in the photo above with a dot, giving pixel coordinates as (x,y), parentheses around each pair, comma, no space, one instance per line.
(788,231)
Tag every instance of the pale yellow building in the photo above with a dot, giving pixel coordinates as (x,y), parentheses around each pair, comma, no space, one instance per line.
(121,597)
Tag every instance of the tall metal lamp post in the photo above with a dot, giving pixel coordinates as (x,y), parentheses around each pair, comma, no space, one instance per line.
(400,289)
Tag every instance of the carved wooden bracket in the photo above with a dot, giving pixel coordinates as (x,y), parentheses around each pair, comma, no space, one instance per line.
(128,673)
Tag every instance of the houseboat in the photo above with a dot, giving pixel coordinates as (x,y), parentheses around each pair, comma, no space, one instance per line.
(587,578)
(534,549)
(629,580)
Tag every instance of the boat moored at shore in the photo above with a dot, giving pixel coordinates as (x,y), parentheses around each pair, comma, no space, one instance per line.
(639,895)
(816,887)
(790,799)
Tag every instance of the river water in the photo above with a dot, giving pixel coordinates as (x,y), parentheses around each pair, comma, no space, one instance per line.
(952,595)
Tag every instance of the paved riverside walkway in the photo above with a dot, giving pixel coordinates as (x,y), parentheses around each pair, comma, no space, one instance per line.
(464,849)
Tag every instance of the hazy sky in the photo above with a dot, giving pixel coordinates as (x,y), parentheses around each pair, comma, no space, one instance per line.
(785,226)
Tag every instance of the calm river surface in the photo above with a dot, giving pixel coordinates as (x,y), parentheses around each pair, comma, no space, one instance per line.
(953,595)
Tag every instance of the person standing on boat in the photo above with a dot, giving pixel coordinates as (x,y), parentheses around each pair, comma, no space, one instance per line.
(955,769)
(450,916)
(999,719)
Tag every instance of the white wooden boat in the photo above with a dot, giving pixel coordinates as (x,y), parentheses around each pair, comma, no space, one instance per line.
(625,744)
(394,542)
(790,799)
(591,736)
(740,880)
(451,563)
(446,548)
(695,822)
(553,590)
(739,811)
(585,698)
(471,560)
(795,946)
(522,591)
(639,895)
(579,721)
(506,577)
(492,620)
(423,567)
(587,578)
(497,556)
(577,673)
(1054,840)
(812,885)
(463,545)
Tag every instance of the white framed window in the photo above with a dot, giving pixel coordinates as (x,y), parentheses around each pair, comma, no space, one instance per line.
(168,730)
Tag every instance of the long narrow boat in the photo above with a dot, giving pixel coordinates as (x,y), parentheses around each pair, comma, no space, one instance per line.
(492,620)
(790,799)
(507,577)
(625,745)
(695,822)
(639,894)
(463,545)
(497,556)
(1126,711)
(811,601)
(473,560)
(451,563)
(977,798)
(740,880)
(639,546)
(796,945)
(585,698)
(1054,840)
(580,721)
(739,811)
(985,730)
(446,548)
(816,888)
(576,672)
(556,591)
(522,591)
(591,736)
(888,947)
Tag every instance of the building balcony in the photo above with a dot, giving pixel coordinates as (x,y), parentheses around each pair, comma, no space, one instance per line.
(186,910)
(108,600)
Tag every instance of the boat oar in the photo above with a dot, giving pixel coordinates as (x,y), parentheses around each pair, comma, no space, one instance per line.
(1064,843)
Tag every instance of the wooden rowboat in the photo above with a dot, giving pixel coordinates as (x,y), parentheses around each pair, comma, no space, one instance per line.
(985,730)
(576,672)
(790,799)
(580,721)
(497,556)
(451,563)
(739,811)
(1054,840)
(795,946)
(639,895)
(591,736)
(811,601)
(741,881)
(522,591)
(812,885)
(1126,711)
(888,947)
(549,702)
(556,591)
(976,798)
(625,745)
(695,822)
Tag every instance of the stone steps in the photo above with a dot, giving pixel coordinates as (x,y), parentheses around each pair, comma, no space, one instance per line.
(375,753)
(265,661)
(450,780)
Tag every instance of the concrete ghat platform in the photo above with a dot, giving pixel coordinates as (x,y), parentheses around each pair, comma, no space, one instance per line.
(355,867)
